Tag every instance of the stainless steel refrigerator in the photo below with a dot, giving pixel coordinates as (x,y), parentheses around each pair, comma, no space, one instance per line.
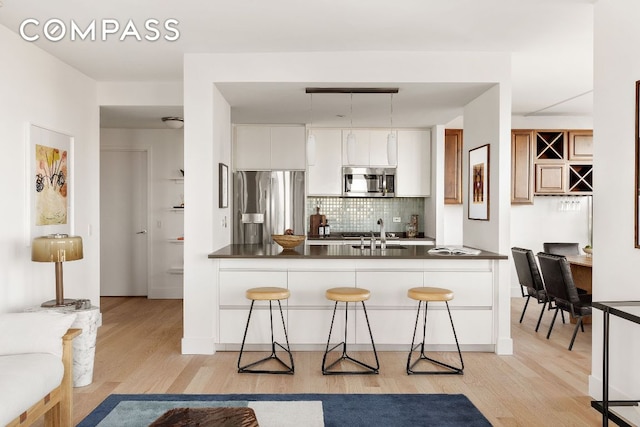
(266,203)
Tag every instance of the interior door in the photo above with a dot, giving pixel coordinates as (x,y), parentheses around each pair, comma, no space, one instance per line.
(123,223)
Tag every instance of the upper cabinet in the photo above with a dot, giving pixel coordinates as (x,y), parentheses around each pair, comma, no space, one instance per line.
(547,162)
(413,175)
(324,177)
(522,167)
(369,148)
(581,145)
(269,147)
(453,166)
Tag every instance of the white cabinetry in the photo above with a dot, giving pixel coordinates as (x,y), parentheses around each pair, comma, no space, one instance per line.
(413,175)
(391,313)
(252,148)
(370,148)
(269,147)
(288,148)
(324,177)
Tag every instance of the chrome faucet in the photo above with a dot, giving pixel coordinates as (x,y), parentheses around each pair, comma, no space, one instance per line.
(383,235)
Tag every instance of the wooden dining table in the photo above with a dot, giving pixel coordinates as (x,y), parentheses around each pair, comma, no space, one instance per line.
(581,270)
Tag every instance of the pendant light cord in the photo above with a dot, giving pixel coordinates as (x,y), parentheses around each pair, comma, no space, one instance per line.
(351,112)
(311,120)
(391,111)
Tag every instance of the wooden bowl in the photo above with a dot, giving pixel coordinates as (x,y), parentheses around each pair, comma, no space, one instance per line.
(287,241)
(588,250)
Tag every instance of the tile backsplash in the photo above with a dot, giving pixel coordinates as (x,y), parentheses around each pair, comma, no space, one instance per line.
(361,214)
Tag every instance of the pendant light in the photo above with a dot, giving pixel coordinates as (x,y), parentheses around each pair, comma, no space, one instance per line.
(392,142)
(311,140)
(351,138)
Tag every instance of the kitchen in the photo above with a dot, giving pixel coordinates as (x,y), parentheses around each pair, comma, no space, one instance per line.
(363,180)
(356,188)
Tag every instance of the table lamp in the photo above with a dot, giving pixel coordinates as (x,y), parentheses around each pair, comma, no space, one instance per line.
(57,248)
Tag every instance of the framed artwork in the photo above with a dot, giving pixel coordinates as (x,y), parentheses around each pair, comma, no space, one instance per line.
(49,182)
(223,185)
(479,183)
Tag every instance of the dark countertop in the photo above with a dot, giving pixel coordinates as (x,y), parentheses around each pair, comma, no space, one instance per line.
(340,252)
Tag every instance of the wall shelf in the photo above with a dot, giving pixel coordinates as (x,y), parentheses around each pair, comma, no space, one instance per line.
(176,240)
(176,270)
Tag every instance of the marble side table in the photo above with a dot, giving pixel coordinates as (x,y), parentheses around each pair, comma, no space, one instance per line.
(84,346)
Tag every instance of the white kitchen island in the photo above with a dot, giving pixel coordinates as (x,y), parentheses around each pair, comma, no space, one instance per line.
(308,271)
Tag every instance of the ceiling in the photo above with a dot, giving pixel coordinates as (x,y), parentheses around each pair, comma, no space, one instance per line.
(551,42)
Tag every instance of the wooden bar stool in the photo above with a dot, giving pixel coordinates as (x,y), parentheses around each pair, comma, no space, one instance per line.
(268,294)
(426,295)
(348,295)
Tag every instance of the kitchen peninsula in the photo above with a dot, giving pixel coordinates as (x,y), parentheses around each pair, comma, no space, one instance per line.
(308,270)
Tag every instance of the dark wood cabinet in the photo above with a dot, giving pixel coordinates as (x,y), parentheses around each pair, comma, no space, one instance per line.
(522,167)
(453,166)
(550,162)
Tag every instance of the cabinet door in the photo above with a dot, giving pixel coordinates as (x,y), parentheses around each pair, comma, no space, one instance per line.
(453,166)
(378,148)
(522,167)
(581,145)
(324,178)
(550,178)
(288,148)
(252,150)
(360,151)
(413,174)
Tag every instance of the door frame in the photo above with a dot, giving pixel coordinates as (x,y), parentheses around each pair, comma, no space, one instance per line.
(147,151)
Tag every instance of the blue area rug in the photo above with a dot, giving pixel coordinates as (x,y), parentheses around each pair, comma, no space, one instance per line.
(335,409)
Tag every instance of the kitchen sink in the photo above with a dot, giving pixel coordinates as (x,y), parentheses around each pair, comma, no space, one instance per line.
(380,247)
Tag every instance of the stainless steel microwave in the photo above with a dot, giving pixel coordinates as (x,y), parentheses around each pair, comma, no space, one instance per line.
(368,182)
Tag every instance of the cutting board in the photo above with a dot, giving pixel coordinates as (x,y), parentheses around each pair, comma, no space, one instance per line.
(315,221)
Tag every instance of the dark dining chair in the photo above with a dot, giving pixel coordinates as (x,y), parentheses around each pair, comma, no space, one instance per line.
(562,291)
(561,248)
(529,279)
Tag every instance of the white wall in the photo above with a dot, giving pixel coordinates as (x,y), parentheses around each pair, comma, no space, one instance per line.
(166,152)
(616,263)
(487,120)
(434,218)
(482,125)
(39,89)
(207,142)
(140,93)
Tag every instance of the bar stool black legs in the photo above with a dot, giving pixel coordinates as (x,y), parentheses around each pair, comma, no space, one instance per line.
(269,294)
(347,295)
(424,295)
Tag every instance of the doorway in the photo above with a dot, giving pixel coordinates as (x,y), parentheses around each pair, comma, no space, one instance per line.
(123,222)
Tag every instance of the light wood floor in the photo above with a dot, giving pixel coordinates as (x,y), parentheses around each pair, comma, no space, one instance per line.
(542,384)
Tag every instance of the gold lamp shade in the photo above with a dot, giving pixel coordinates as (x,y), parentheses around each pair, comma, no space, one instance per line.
(57,248)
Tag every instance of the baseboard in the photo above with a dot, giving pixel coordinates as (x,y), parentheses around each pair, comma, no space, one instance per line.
(165,293)
(504,347)
(198,346)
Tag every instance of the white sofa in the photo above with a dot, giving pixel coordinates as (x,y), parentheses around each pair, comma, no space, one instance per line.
(36,362)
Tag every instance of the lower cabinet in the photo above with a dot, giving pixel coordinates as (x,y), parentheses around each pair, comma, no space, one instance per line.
(391,312)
